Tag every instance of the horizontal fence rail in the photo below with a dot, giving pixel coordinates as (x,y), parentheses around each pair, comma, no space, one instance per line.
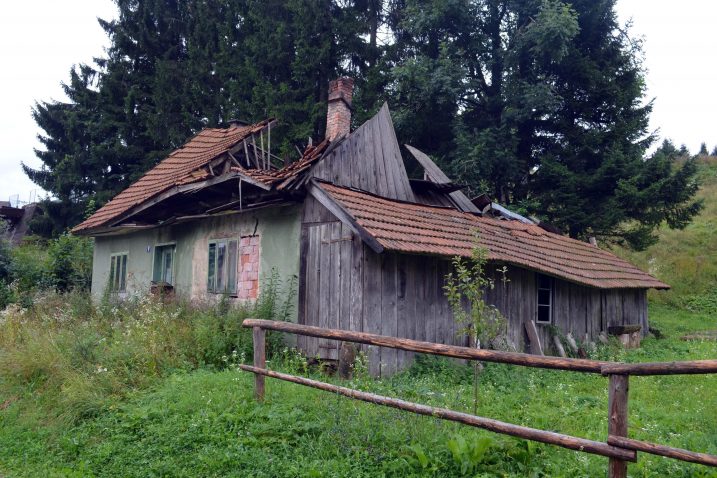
(552,438)
(618,448)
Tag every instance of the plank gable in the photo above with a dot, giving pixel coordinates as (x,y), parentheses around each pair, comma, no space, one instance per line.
(369,159)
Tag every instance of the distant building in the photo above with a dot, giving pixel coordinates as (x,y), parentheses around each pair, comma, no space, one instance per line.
(18,218)
(370,246)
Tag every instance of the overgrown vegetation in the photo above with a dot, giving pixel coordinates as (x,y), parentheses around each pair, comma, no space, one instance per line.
(465,290)
(37,265)
(184,422)
(79,359)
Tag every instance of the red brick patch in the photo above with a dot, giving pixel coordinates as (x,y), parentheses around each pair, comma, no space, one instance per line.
(249,267)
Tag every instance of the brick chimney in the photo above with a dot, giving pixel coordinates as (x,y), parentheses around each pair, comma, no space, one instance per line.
(338,116)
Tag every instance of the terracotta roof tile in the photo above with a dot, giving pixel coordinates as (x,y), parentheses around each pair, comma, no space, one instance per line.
(175,169)
(183,166)
(414,228)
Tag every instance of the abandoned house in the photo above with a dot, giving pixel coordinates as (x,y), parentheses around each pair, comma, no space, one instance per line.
(370,246)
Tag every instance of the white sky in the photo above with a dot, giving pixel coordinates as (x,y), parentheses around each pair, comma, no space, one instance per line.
(42,39)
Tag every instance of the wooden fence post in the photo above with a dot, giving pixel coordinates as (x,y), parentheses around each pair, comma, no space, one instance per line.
(617,420)
(259,361)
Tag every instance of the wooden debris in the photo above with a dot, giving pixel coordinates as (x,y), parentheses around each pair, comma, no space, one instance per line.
(532,332)
(571,343)
(708,335)
(559,346)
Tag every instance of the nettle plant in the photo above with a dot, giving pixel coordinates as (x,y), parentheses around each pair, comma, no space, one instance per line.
(465,290)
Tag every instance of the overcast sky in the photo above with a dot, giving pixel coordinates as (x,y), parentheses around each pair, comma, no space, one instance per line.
(42,39)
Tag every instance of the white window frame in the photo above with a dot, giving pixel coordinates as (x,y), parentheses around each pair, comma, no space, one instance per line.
(117,283)
(229,273)
(551,296)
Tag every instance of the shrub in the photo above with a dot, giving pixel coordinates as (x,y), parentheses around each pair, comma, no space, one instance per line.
(69,263)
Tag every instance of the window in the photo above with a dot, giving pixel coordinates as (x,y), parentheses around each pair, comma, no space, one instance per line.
(164,264)
(222,266)
(118,272)
(545,299)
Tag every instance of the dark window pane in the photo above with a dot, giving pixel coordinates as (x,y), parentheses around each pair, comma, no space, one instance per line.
(211,275)
(123,274)
(543,313)
(545,282)
(221,266)
(113,273)
(543,297)
(167,274)
(232,268)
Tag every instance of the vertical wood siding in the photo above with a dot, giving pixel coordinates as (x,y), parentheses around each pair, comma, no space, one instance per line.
(346,285)
(369,159)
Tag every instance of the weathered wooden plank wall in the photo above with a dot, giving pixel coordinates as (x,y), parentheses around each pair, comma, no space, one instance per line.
(346,285)
(369,159)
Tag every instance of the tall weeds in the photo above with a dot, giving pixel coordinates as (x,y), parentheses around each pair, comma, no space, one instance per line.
(79,358)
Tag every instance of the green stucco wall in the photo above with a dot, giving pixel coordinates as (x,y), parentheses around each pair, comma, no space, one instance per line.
(278,229)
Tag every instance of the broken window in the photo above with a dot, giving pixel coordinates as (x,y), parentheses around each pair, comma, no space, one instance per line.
(546,286)
(164,264)
(222,266)
(118,272)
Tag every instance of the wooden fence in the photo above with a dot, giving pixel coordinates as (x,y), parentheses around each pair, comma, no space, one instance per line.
(619,448)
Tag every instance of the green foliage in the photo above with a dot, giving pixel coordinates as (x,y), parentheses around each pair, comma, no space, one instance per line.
(38,265)
(70,262)
(5,253)
(542,105)
(683,259)
(173,68)
(465,290)
(206,422)
(86,358)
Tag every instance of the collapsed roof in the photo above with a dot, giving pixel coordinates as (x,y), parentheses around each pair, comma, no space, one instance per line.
(361,179)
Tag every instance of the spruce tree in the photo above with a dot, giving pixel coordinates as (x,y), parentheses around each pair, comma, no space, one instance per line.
(542,105)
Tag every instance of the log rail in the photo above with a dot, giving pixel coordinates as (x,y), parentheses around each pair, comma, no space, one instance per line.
(619,448)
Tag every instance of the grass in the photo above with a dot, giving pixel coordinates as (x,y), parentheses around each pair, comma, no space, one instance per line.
(152,390)
(200,422)
(686,259)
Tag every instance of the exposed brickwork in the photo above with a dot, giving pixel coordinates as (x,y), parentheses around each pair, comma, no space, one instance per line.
(248,267)
(338,116)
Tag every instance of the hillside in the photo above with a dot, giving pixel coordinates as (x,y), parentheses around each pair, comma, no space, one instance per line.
(687,259)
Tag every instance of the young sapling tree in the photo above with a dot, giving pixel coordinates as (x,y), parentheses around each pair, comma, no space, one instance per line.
(465,290)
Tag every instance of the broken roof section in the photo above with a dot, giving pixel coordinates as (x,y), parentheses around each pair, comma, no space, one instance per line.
(207,158)
(415,228)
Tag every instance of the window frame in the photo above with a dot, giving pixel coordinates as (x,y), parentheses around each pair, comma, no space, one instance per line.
(229,275)
(163,247)
(551,296)
(118,284)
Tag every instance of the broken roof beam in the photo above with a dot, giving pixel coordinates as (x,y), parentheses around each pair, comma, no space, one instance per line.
(434,173)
